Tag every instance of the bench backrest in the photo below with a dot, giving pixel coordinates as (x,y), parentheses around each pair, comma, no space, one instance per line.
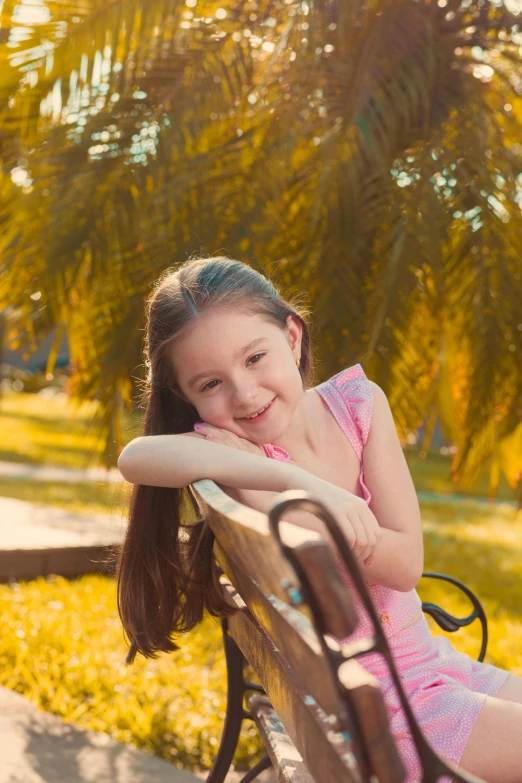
(335,715)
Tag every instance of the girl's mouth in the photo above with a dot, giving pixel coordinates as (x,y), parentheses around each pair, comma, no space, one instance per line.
(260,416)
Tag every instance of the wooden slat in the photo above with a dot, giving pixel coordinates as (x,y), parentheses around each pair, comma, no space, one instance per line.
(281,644)
(254,563)
(328,755)
(286,759)
(329,591)
(292,634)
(244,532)
(363,692)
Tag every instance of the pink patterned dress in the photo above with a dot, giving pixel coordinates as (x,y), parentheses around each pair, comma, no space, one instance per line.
(446,689)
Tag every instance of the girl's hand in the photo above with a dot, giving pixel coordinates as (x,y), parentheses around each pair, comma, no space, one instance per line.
(357,522)
(227,438)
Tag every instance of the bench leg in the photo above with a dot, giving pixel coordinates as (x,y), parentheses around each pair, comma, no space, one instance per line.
(234,715)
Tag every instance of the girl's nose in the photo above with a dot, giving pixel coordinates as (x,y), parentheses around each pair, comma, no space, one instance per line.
(243,396)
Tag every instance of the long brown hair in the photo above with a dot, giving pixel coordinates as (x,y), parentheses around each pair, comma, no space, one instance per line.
(166,573)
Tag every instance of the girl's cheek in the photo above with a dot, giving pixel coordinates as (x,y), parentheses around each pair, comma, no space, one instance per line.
(212,414)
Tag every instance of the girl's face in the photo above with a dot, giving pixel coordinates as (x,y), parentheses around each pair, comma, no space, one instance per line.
(231,365)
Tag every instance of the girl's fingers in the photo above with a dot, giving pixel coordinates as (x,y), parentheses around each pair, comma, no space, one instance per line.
(377,531)
(203,427)
(350,534)
(361,542)
(213,433)
(366,534)
(345,526)
(370,522)
(375,537)
(227,438)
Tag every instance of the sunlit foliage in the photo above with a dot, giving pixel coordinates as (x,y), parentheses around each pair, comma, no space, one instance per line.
(366,151)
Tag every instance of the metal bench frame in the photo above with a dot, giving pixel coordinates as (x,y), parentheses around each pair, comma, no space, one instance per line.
(238,686)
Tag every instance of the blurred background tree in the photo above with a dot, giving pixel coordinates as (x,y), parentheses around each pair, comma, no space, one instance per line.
(368,151)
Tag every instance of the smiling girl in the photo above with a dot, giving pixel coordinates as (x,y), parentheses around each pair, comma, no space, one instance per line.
(230,399)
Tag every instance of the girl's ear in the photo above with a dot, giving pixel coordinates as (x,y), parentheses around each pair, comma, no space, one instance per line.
(295,334)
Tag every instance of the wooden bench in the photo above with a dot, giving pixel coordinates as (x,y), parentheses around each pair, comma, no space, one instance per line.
(321,716)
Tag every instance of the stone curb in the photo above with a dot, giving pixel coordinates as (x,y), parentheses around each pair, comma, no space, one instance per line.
(62,561)
(37,747)
(38,540)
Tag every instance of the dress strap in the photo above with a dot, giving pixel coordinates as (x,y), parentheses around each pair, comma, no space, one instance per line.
(349,396)
(355,389)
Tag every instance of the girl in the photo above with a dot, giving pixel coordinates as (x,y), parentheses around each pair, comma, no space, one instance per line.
(230,366)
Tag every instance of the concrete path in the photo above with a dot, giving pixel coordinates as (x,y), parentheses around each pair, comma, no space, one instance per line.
(25,524)
(23,470)
(36,747)
(18,471)
(38,540)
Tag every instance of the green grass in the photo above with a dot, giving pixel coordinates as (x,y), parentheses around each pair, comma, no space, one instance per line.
(432,474)
(51,431)
(94,498)
(62,646)
(482,546)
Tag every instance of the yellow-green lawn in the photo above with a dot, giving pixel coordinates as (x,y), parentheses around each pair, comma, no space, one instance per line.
(62,645)
(51,430)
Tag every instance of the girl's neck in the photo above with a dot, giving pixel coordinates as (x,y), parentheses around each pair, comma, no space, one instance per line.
(306,434)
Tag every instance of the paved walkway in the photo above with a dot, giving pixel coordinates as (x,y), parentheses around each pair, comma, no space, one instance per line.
(26,525)
(37,747)
(19,471)
(23,470)
(37,539)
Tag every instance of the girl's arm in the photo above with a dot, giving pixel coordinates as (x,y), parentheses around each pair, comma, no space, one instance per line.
(398,558)
(397,548)
(179,460)
(251,479)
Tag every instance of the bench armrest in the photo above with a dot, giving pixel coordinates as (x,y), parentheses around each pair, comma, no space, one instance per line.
(450,623)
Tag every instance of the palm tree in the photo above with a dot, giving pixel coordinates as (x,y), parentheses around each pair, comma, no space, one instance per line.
(368,150)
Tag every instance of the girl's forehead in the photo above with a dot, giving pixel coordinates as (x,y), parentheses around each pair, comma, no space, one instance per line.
(221,335)
(221,324)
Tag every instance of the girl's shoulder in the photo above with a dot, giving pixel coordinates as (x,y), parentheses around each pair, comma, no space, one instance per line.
(349,394)
(350,378)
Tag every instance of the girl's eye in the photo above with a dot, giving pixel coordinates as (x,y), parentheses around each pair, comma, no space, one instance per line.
(208,386)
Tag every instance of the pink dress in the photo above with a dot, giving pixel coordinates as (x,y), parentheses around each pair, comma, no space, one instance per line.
(446,689)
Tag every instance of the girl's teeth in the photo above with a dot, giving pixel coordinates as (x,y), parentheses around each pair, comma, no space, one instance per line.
(258,414)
